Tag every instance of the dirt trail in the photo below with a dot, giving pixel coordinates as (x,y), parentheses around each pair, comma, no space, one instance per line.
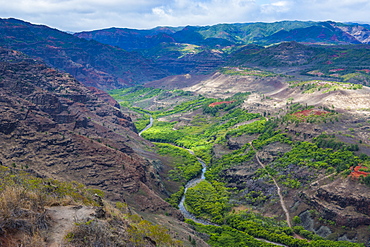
(64,218)
(282,202)
(320,179)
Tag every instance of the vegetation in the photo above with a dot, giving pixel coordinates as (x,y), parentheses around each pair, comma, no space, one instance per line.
(243,228)
(214,199)
(203,131)
(186,165)
(24,219)
(237,157)
(324,86)
(208,200)
(329,141)
(245,71)
(309,154)
(142,122)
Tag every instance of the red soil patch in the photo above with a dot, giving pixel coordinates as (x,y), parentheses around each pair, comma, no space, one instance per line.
(356,173)
(219,103)
(310,112)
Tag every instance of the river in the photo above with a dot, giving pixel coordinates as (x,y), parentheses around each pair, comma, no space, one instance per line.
(189,184)
(148,126)
(192,183)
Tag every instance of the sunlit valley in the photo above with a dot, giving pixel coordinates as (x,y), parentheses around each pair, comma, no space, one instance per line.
(227,135)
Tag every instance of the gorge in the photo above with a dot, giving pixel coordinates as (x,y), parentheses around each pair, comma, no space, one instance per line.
(278,125)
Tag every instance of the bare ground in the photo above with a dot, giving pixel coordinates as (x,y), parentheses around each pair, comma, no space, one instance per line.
(64,218)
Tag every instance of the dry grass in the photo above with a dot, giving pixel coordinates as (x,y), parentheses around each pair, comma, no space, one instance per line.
(24,221)
(23,218)
(36,240)
(119,228)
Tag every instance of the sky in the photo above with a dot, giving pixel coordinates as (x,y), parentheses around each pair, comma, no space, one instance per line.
(86,15)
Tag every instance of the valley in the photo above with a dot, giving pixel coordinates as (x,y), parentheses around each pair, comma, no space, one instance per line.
(233,140)
(140,136)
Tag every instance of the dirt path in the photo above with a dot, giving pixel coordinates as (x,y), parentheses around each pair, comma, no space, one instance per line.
(320,179)
(282,202)
(64,218)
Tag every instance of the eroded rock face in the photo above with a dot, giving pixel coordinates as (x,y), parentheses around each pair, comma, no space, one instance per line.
(53,125)
(104,96)
(344,201)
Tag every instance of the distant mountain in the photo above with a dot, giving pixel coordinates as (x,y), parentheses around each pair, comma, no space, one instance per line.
(284,54)
(202,50)
(223,35)
(349,63)
(131,57)
(208,36)
(130,39)
(296,54)
(92,63)
(325,33)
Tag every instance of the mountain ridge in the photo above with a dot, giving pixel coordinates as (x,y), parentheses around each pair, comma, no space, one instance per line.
(236,34)
(91,62)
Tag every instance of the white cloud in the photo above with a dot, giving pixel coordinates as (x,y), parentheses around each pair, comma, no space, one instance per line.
(275,7)
(78,15)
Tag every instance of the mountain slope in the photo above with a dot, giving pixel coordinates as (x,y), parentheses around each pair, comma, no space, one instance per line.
(90,62)
(223,35)
(203,49)
(325,32)
(53,125)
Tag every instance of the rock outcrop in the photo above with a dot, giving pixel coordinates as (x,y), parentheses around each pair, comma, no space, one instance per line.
(344,201)
(53,125)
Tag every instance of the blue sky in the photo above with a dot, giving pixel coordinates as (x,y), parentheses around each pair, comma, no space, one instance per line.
(80,15)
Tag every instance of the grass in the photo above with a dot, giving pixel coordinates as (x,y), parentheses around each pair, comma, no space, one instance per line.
(24,221)
(23,199)
(323,86)
(243,71)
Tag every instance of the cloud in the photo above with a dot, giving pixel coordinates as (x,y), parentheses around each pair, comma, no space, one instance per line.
(344,10)
(78,15)
(275,7)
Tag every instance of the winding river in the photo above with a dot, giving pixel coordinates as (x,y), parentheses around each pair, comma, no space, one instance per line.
(148,126)
(190,184)
(194,182)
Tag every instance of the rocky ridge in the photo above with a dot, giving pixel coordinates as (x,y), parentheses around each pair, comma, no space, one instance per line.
(53,125)
(344,201)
